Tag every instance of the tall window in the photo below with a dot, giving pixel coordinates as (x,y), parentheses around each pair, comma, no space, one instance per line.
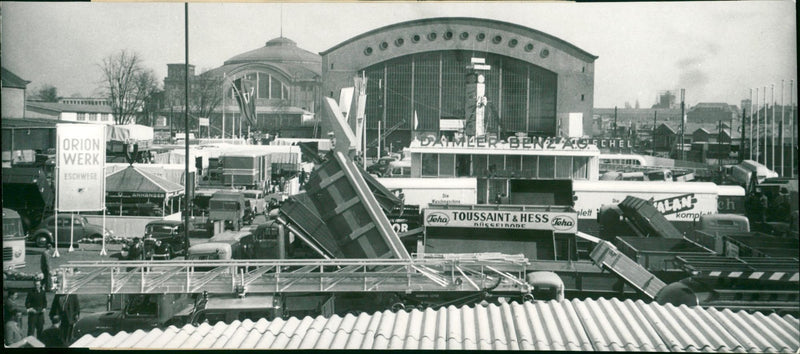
(430,165)
(263,85)
(82,116)
(275,88)
(521,95)
(93,117)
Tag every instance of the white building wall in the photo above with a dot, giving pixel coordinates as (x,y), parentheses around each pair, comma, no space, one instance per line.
(13,102)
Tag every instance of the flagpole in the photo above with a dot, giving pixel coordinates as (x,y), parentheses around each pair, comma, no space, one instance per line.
(772,147)
(750,141)
(224,77)
(764,104)
(792,127)
(783,136)
(757,133)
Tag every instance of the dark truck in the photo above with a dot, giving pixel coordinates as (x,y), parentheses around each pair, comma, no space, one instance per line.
(230,207)
(132,312)
(28,191)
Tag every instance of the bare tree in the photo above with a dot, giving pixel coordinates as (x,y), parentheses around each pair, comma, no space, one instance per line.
(47,93)
(127,85)
(205,95)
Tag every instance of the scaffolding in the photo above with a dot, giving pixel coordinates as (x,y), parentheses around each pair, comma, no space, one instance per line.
(467,273)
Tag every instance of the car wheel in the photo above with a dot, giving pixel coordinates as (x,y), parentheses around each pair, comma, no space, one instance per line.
(42,240)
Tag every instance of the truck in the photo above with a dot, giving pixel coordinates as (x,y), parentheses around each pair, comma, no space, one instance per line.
(27,191)
(228,207)
(132,312)
(13,240)
(251,169)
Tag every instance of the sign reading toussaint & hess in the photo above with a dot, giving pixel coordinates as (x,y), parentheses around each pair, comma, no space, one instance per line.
(565,222)
(80,162)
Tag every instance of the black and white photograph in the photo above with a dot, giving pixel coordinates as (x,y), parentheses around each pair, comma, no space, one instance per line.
(443,175)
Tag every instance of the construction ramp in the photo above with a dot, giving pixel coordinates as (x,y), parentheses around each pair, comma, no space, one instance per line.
(607,256)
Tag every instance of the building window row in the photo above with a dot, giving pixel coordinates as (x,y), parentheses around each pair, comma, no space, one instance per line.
(266,86)
(509,166)
(448,35)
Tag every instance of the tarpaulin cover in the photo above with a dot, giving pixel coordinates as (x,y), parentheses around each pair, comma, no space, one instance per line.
(128,132)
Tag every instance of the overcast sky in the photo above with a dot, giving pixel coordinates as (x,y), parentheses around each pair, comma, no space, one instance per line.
(717,51)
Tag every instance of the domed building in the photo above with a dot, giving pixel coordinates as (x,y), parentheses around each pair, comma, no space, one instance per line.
(418,78)
(285,79)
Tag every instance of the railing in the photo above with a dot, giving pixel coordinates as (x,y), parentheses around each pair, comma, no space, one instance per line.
(468,273)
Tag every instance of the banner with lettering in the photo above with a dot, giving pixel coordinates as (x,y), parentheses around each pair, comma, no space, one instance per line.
(80,162)
(565,222)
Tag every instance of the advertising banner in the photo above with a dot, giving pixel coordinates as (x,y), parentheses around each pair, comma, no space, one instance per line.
(80,162)
(565,222)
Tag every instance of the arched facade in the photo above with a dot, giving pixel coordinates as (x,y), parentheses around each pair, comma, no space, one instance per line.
(286,80)
(535,81)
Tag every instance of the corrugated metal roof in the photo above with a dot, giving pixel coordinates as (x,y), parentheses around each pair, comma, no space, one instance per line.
(576,325)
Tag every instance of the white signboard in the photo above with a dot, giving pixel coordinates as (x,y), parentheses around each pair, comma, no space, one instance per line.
(674,206)
(80,162)
(502,219)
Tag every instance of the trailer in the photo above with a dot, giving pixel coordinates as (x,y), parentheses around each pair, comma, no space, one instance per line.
(252,170)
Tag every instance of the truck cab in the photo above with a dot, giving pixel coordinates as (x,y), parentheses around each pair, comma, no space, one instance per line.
(131,312)
(257,202)
(227,206)
(146,311)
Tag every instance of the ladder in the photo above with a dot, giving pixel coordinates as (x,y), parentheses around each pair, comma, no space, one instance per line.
(468,273)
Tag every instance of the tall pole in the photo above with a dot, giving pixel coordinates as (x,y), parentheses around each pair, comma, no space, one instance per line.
(750,144)
(224,75)
(764,104)
(757,133)
(653,139)
(783,137)
(772,136)
(792,127)
(186,132)
(615,123)
(683,118)
(742,137)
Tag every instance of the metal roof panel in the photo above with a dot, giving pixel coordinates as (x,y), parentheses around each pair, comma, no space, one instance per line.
(576,325)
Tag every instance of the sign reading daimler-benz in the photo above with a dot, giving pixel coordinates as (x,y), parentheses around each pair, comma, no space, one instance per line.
(502,219)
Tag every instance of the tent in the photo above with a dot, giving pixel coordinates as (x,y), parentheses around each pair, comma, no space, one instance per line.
(132,191)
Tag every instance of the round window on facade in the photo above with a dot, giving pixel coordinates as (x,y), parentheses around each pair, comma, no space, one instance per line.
(544,53)
(480,37)
(448,35)
(463,35)
(529,47)
(513,43)
(368,51)
(497,39)
(399,42)
(431,36)
(415,38)
(384,45)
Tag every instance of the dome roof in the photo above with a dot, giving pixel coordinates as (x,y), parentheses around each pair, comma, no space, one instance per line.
(279,50)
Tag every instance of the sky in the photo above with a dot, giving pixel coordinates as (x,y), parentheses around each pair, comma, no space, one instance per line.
(717,51)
